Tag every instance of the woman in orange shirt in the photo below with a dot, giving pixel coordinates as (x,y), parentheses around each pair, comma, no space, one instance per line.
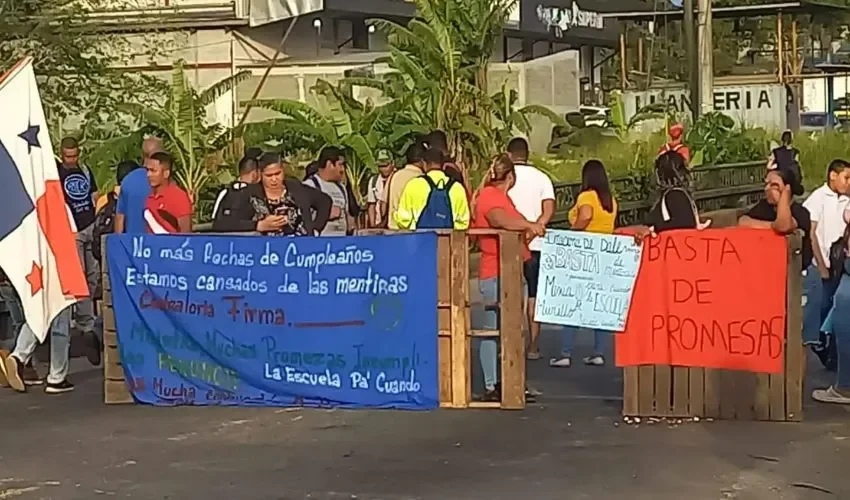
(595,211)
(493,209)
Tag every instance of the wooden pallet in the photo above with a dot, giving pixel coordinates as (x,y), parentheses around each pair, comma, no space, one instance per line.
(675,391)
(115,390)
(455,331)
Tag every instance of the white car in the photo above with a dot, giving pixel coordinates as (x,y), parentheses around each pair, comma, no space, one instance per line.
(595,115)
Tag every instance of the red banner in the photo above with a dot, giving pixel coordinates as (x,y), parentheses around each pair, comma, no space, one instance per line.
(713,299)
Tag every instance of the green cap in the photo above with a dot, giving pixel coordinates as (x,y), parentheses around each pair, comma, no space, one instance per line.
(383,157)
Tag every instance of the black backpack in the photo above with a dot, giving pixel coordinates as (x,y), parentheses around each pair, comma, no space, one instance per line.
(104,223)
(228,203)
(837,256)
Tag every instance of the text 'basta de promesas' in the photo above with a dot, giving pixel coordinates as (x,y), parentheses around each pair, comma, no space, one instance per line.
(367,282)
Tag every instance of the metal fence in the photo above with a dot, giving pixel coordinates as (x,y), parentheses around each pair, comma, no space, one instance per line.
(714,187)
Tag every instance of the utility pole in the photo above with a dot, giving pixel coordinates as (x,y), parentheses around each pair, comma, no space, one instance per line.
(691,56)
(706,57)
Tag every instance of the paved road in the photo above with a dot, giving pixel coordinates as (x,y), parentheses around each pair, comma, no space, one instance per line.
(568,447)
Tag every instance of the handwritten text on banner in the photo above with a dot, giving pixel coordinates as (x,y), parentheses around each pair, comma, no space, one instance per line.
(713,299)
(586,279)
(277,321)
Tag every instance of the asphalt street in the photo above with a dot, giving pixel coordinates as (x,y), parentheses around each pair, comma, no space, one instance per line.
(571,445)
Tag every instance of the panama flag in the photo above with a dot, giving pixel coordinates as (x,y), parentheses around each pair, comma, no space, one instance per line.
(38,250)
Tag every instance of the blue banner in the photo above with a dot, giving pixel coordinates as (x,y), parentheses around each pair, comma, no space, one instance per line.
(586,279)
(255,321)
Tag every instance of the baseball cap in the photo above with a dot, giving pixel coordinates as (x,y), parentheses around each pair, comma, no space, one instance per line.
(383,157)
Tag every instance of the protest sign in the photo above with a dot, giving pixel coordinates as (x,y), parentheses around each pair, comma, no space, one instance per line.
(713,299)
(255,321)
(586,279)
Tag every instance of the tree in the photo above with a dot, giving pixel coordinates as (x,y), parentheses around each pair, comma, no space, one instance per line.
(442,59)
(746,44)
(199,149)
(437,80)
(361,128)
(508,119)
(74,62)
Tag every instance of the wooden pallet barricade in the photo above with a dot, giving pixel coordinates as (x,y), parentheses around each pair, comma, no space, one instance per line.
(676,391)
(454,334)
(455,331)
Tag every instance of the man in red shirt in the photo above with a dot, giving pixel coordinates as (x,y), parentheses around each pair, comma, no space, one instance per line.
(677,142)
(168,209)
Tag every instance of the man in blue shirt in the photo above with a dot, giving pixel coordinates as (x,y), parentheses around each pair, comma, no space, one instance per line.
(135,189)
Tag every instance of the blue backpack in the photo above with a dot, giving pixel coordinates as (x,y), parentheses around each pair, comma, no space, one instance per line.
(437,213)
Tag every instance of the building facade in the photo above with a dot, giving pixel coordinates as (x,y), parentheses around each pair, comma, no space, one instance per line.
(547,48)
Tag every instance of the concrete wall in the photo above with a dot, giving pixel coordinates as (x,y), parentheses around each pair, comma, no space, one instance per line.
(310,53)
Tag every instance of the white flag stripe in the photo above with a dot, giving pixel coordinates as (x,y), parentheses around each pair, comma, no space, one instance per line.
(153,224)
(27,244)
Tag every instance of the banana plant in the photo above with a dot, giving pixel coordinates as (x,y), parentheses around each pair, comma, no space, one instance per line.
(622,125)
(442,59)
(198,148)
(509,119)
(618,127)
(360,128)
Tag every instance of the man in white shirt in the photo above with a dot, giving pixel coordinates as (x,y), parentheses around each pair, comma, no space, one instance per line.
(534,197)
(826,207)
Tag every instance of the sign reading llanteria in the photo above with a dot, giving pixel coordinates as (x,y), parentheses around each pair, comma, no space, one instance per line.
(563,18)
(753,105)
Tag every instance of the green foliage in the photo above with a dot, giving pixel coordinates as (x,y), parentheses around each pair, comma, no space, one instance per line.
(74,62)
(655,111)
(715,139)
(441,61)
(576,133)
(362,129)
(722,143)
(507,119)
(816,151)
(200,149)
(437,80)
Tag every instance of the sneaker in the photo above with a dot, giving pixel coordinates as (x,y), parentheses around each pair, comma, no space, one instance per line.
(533,355)
(595,360)
(562,362)
(830,395)
(491,395)
(59,388)
(14,373)
(30,375)
(94,352)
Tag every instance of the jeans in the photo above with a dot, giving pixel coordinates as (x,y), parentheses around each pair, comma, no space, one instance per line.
(84,316)
(16,316)
(818,295)
(488,349)
(60,344)
(841,329)
(568,335)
